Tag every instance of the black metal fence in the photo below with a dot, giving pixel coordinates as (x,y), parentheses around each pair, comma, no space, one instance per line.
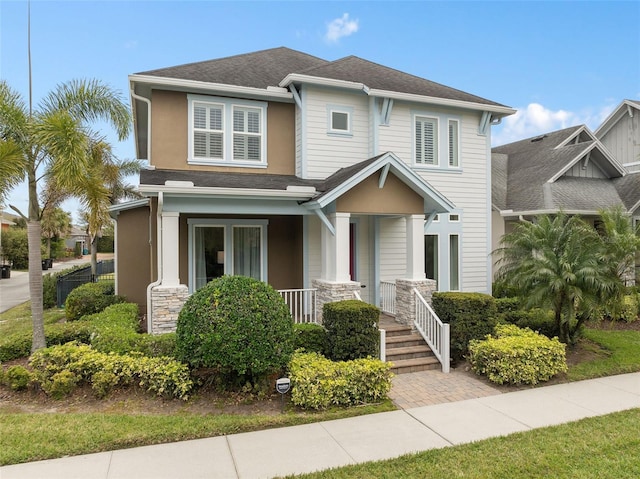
(68,282)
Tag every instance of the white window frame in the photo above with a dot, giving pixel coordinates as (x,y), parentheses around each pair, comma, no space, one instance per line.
(228,225)
(436,156)
(456,147)
(229,106)
(346,110)
(459,269)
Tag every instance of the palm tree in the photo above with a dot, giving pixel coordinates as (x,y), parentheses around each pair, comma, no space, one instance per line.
(55,223)
(555,262)
(620,242)
(54,141)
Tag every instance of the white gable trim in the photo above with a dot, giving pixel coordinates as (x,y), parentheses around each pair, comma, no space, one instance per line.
(626,107)
(596,145)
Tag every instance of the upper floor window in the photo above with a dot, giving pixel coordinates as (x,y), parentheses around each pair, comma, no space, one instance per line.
(227,131)
(436,138)
(339,120)
(426,137)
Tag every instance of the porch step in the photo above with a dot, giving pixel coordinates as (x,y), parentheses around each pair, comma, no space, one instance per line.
(407,350)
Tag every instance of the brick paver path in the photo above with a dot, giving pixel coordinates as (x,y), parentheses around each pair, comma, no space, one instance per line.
(433,387)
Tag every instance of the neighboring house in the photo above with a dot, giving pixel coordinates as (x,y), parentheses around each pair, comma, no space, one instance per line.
(569,170)
(77,235)
(620,134)
(305,173)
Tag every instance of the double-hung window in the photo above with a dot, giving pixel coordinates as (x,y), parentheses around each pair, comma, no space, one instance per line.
(426,141)
(225,131)
(454,143)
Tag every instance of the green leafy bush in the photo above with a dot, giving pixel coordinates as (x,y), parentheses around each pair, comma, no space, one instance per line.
(352,329)
(310,337)
(17,377)
(163,376)
(507,305)
(539,320)
(517,356)
(90,298)
(18,345)
(239,326)
(470,316)
(115,328)
(157,345)
(318,383)
(60,384)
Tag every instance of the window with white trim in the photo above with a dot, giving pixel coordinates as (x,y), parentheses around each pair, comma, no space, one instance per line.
(339,120)
(454,263)
(426,141)
(454,143)
(225,131)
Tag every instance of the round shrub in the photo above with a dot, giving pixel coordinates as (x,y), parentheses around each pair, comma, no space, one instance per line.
(90,298)
(352,329)
(310,337)
(17,378)
(61,384)
(239,326)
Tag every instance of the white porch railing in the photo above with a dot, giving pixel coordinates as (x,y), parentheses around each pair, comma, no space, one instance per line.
(388,297)
(302,304)
(433,330)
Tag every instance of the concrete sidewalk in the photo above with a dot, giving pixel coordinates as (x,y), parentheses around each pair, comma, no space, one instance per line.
(300,449)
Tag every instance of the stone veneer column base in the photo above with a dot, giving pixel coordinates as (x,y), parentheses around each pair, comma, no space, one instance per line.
(330,292)
(166,303)
(405,298)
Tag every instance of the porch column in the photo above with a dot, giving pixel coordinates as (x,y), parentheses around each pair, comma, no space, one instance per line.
(415,247)
(170,249)
(335,249)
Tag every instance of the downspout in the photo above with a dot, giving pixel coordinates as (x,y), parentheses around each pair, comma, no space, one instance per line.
(158,281)
(148,102)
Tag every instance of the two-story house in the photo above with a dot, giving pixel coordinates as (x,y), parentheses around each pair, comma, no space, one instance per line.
(337,176)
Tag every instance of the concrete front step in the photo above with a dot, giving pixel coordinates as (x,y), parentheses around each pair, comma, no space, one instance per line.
(404,341)
(396,330)
(403,366)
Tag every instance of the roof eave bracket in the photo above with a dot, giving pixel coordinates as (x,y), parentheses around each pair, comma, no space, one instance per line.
(485,122)
(383,176)
(325,220)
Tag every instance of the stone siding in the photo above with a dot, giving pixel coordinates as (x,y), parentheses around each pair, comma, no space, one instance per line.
(330,292)
(405,298)
(166,303)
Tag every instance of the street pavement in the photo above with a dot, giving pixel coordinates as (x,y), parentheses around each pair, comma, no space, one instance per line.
(324,445)
(15,289)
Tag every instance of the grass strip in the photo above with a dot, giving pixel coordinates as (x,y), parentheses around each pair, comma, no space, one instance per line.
(623,357)
(595,448)
(33,437)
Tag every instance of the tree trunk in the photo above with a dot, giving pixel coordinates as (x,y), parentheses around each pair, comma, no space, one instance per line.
(35,285)
(94,256)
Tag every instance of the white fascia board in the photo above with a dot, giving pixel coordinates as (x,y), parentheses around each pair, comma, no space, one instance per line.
(411,97)
(296,77)
(128,205)
(225,192)
(507,213)
(402,171)
(576,133)
(614,116)
(176,83)
(594,146)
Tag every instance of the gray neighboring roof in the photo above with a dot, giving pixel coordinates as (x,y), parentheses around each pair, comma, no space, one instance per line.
(380,77)
(214,179)
(526,180)
(257,69)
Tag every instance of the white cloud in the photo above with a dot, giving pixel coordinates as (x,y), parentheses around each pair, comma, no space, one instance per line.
(535,119)
(340,27)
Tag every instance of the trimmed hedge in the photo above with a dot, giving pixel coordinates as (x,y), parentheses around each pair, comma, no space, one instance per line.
(310,337)
(18,345)
(318,383)
(59,366)
(517,356)
(352,329)
(90,298)
(539,320)
(238,326)
(470,316)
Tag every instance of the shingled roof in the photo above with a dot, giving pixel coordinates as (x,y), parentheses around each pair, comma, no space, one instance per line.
(527,175)
(268,68)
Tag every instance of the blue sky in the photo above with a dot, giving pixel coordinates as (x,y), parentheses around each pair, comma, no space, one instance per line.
(559,63)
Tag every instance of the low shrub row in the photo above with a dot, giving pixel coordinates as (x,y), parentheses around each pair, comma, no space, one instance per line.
(89,299)
(59,369)
(517,356)
(352,329)
(318,383)
(18,345)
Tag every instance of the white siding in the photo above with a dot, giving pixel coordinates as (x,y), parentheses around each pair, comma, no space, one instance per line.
(466,188)
(623,140)
(393,254)
(591,171)
(326,153)
(299,143)
(314,250)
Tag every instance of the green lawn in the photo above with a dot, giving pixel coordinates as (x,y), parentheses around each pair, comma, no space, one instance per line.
(596,448)
(18,319)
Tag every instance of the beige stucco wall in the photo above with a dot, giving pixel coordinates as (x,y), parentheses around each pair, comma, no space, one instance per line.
(394,198)
(134,256)
(169,136)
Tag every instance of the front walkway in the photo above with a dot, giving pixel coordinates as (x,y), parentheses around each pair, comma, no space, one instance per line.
(426,388)
(323,445)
